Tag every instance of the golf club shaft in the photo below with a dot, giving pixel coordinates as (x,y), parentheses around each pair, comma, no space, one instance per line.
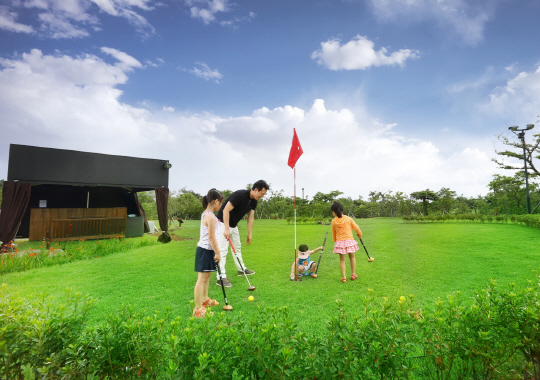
(365,249)
(323,244)
(239,262)
(222,287)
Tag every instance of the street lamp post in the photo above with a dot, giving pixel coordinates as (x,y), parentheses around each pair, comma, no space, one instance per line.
(521,135)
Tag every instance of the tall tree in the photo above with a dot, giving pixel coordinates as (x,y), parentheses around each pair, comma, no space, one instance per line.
(532,153)
(446,200)
(425,196)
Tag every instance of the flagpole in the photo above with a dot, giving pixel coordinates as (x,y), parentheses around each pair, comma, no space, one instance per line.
(296,266)
(294,155)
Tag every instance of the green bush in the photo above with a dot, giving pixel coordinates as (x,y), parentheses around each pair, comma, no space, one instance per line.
(41,335)
(497,336)
(528,220)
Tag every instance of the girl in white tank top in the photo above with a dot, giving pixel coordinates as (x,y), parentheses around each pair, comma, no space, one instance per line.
(207,254)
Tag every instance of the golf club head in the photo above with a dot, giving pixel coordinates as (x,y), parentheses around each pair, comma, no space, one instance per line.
(251,288)
(227,307)
(371,259)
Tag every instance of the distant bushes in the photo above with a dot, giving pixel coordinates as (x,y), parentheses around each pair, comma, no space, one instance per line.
(497,336)
(307,220)
(527,219)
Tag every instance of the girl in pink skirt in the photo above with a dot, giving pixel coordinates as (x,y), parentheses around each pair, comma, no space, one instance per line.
(345,244)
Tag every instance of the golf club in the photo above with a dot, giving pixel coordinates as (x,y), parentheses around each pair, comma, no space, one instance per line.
(251,288)
(370,259)
(323,244)
(227,307)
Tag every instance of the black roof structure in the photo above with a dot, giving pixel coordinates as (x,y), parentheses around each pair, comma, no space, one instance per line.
(61,178)
(37,165)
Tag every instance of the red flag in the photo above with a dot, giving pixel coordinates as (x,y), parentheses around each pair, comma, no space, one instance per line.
(296,150)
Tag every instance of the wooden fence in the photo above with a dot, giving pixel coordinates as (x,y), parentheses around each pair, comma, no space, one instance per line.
(85,228)
(62,224)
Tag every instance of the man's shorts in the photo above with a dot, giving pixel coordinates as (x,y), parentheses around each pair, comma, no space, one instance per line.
(204,260)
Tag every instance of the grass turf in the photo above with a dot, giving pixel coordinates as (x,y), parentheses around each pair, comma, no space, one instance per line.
(427,260)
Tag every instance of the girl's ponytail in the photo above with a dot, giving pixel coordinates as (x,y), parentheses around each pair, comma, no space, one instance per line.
(212,195)
(204,201)
(337,208)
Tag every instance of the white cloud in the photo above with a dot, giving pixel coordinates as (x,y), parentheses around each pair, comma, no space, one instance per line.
(358,54)
(125,61)
(73,100)
(74,103)
(463,19)
(518,100)
(205,72)
(207,9)
(72,18)
(8,22)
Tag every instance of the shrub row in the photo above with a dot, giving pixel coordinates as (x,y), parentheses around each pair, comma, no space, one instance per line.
(527,219)
(497,336)
(14,260)
(306,220)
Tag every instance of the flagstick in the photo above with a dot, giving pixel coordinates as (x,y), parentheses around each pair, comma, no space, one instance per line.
(296,270)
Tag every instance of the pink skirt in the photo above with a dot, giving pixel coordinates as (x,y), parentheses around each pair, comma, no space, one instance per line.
(345,246)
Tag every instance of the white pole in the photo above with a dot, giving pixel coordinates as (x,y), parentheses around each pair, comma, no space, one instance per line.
(296,270)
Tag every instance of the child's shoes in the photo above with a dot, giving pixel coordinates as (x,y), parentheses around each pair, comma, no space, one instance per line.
(210,302)
(201,313)
(354,277)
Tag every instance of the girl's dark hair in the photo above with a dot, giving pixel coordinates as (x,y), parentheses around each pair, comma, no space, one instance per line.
(337,208)
(212,195)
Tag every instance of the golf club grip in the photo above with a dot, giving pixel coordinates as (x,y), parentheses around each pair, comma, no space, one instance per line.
(232,246)
(222,287)
(239,262)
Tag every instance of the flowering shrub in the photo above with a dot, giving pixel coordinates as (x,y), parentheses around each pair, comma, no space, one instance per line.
(14,260)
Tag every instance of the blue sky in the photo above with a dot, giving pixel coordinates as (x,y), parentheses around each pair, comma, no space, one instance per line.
(398,95)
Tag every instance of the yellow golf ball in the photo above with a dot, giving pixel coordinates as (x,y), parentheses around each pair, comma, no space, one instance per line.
(251,298)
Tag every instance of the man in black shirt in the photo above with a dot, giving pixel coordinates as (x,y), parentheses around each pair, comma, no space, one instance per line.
(234,208)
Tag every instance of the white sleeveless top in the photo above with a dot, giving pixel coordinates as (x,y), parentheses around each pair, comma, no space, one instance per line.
(204,241)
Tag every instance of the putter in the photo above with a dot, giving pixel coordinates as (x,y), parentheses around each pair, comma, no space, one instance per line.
(227,307)
(323,244)
(251,288)
(370,259)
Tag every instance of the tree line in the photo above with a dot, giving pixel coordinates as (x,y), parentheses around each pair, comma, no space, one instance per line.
(506,195)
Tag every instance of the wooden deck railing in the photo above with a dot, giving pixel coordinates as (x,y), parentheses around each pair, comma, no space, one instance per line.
(85,228)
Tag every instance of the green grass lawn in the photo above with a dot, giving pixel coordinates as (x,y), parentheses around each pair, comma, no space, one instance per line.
(427,260)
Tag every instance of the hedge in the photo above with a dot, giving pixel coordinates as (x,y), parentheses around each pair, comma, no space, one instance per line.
(496,336)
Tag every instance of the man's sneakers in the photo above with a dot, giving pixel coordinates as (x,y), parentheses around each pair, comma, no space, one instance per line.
(247,272)
(226,283)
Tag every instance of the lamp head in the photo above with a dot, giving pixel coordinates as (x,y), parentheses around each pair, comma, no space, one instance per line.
(530,126)
(167,165)
(514,128)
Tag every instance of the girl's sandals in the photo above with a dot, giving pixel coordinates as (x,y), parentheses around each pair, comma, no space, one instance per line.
(201,313)
(354,277)
(344,280)
(210,302)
